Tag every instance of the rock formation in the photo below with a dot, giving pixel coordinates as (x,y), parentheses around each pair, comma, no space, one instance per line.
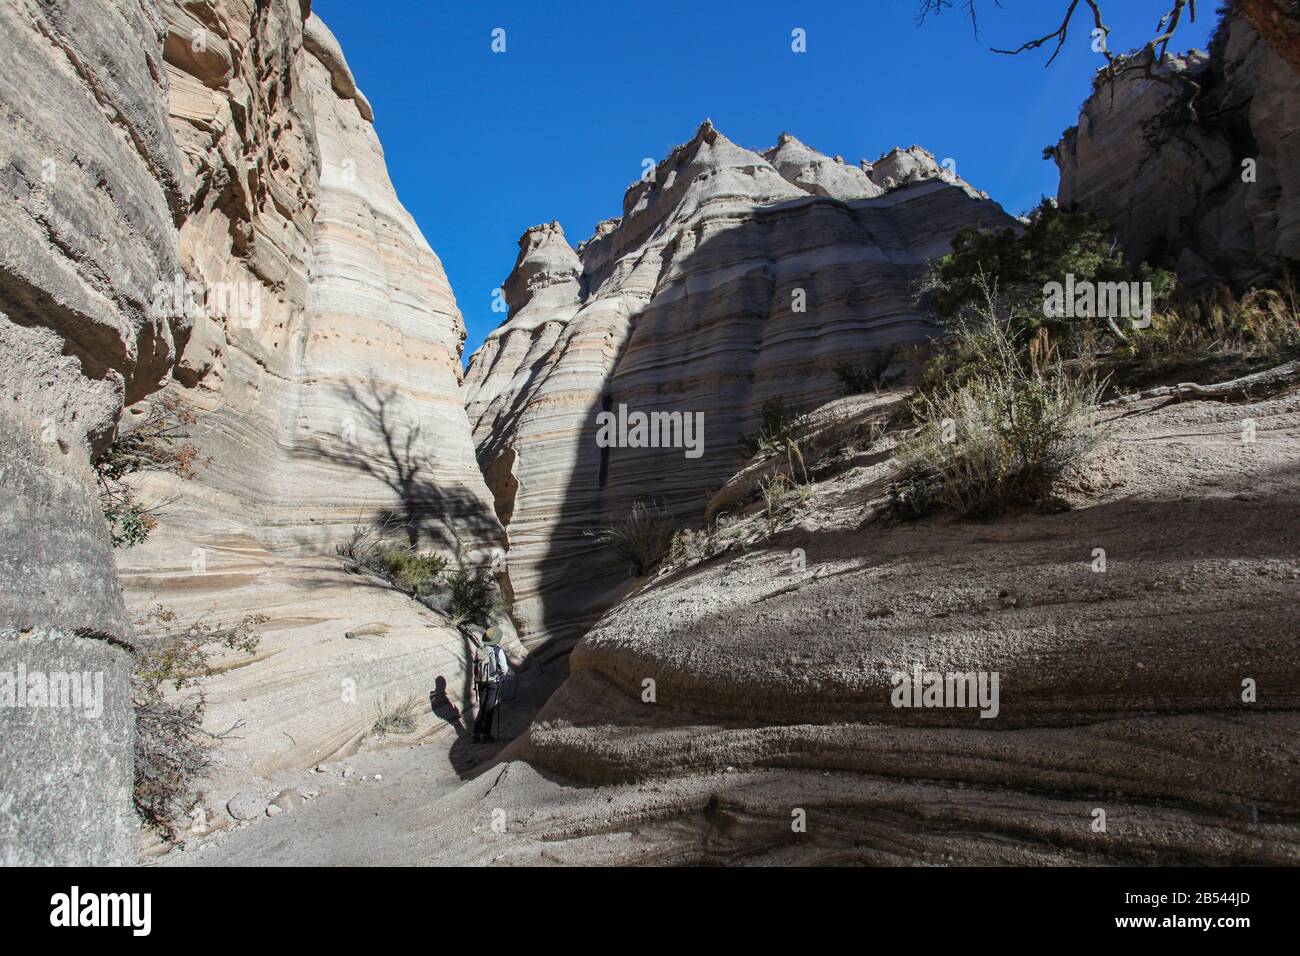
(333,392)
(1216,196)
(88,211)
(195,191)
(742,710)
(732,278)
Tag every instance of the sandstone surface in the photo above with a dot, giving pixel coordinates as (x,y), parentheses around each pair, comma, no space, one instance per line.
(732,278)
(1218,196)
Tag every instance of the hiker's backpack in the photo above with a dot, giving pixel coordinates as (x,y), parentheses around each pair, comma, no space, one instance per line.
(486,668)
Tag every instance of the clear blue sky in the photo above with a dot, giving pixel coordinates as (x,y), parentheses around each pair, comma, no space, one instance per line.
(481,145)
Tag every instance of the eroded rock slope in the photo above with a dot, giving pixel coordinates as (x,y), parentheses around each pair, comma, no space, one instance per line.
(741,710)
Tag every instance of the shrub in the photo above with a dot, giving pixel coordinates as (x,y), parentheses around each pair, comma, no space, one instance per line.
(413,571)
(470,593)
(642,538)
(778,427)
(1263,321)
(159,442)
(170,755)
(1002,436)
(396,718)
(691,546)
(855,380)
(473,594)
(1053,244)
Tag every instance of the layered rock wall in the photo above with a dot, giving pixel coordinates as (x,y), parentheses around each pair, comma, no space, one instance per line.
(194,199)
(331,395)
(731,279)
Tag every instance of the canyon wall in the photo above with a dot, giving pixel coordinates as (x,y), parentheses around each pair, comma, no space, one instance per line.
(195,202)
(732,278)
(1217,195)
(89,208)
(331,392)
(747,709)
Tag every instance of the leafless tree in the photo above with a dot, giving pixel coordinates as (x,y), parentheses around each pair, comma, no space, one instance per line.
(1146,60)
(1155,48)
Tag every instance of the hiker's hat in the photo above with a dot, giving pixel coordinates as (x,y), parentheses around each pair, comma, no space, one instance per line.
(492,634)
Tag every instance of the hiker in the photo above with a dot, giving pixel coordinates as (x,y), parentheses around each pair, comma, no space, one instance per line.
(490,667)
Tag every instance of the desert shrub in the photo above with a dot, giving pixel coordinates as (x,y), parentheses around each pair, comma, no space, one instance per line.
(473,593)
(778,427)
(860,379)
(398,718)
(465,593)
(775,489)
(170,752)
(1054,243)
(413,571)
(642,538)
(1002,435)
(158,442)
(690,546)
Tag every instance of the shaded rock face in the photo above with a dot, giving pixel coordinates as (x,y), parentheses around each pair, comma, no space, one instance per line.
(732,278)
(89,205)
(66,722)
(1179,190)
(722,704)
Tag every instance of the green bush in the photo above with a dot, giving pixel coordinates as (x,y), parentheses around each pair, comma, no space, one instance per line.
(411,570)
(1054,243)
(473,594)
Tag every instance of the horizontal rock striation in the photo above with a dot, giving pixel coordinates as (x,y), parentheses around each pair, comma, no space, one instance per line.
(1217,195)
(732,278)
(721,703)
(331,395)
(194,199)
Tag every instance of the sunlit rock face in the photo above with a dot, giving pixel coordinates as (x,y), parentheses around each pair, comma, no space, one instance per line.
(331,392)
(732,278)
(194,200)
(1215,195)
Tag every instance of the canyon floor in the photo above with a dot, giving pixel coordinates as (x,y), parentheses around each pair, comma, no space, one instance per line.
(1121,689)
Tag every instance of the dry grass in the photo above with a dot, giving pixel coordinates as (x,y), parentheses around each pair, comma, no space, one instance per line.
(643,538)
(1001,435)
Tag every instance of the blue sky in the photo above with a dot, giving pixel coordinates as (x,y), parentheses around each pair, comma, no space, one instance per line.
(481,145)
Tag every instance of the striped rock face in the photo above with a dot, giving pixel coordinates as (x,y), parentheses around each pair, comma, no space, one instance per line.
(732,278)
(329,391)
